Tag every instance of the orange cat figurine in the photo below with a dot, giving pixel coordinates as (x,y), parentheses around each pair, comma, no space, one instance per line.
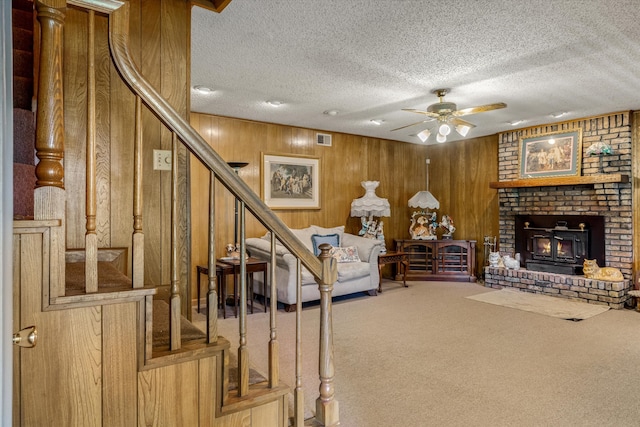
(592,271)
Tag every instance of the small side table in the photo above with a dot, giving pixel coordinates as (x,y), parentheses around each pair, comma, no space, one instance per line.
(396,258)
(253,265)
(221,271)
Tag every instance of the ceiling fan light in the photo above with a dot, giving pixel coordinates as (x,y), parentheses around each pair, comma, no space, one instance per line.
(424,135)
(444,129)
(441,138)
(463,129)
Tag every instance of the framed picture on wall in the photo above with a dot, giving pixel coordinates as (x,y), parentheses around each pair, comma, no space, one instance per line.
(290,182)
(551,154)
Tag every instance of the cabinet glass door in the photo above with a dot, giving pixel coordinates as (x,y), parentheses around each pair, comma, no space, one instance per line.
(452,258)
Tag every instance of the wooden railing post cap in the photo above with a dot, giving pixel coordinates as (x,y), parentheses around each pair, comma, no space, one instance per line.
(325,248)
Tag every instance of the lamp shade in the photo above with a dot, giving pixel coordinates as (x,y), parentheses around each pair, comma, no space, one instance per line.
(424,200)
(370,204)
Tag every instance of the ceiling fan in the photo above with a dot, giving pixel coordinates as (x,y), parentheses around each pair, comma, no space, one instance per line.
(447,115)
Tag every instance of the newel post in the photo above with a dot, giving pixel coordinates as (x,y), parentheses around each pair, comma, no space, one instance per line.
(326,406)
(49,195)
(49,114)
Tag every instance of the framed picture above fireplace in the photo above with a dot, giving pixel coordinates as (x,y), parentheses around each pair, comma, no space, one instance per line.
(551,154)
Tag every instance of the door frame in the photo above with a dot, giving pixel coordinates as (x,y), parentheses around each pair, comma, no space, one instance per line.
(6,213)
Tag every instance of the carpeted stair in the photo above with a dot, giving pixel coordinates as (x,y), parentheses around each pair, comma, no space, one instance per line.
(23,118)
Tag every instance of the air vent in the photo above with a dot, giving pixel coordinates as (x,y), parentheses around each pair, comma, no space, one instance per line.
(323,139)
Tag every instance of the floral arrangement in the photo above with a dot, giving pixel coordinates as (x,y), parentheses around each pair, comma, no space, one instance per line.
(599,149)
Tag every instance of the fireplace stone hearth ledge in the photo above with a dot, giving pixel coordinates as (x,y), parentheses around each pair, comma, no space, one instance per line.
(613,294)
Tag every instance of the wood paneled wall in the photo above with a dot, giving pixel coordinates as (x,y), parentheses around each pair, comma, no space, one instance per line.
(160,46)
(460,173)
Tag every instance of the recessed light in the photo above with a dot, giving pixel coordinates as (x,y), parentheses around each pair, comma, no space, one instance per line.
(331,112)
(558,114)
(377,122)
(516,122)
(274,103)
(202,89)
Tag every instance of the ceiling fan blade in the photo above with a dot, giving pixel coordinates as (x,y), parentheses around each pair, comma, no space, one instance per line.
(479,109)
(426,113)
(412,124)
(459,122)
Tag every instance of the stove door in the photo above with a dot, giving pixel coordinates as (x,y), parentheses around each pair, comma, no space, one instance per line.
(541,247)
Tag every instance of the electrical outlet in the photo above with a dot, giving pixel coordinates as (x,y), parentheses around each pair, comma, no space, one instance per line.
(162,160)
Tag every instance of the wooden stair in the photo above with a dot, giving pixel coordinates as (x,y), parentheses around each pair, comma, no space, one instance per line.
(114,286)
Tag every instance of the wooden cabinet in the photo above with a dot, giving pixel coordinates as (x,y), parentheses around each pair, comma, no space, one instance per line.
(453,260)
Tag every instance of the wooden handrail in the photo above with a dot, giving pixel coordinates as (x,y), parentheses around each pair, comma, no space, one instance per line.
(119,42)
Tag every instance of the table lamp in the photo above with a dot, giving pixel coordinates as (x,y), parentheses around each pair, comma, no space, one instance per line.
(370,205)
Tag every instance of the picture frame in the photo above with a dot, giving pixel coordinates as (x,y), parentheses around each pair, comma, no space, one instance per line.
(551,154)
(290,182)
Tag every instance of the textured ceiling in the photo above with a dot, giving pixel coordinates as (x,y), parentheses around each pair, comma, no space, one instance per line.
(368,59)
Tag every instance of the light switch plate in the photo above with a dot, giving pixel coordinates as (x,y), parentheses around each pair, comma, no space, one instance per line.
(162,160)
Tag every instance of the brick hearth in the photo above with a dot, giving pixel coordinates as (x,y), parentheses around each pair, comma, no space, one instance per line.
(610,200)
(613,294)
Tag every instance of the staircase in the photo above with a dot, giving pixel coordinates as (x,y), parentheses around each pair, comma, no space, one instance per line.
(24,177)
(139,345)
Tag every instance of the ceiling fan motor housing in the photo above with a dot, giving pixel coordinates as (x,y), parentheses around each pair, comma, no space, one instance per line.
(442,108)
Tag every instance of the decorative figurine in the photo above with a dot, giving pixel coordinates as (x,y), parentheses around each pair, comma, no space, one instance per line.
(447,224)
(593,271)
(421,227)
(511,263)
(365,225)
(233,251)
(495,260)
(380,236)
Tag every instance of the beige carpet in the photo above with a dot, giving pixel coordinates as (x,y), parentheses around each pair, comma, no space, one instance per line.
(541,304)
(427,355)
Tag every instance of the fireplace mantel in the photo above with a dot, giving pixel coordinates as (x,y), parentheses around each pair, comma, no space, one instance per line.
(558,181)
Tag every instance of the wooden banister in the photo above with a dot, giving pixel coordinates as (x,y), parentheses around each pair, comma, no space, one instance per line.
(119,42)
(51,147)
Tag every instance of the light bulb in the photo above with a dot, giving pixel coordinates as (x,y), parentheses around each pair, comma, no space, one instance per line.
(441,138)
(444,129)
(424,135)
(463,129)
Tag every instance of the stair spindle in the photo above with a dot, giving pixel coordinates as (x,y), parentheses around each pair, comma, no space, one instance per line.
(274,353)
(174,321)
(243,351)
(137,251)
(91,238)
(298,393)
(212,295)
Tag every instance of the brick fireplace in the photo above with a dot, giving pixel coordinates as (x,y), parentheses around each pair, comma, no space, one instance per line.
(609,200)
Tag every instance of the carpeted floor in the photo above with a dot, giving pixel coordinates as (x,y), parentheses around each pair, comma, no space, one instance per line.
(429,356)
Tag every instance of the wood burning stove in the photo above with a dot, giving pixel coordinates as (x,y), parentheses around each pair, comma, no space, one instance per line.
(561,247)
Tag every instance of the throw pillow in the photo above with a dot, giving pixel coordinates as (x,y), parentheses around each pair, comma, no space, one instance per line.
(339,230)
(348,254)
(318,239)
